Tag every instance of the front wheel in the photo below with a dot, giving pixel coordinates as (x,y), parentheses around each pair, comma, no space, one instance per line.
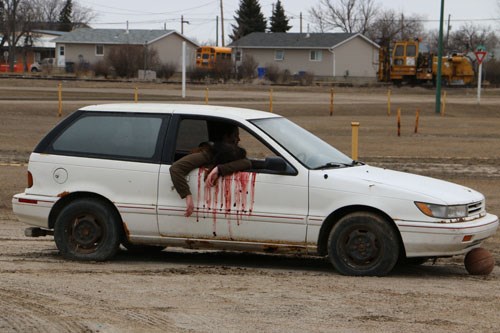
(363,243)
(87,229)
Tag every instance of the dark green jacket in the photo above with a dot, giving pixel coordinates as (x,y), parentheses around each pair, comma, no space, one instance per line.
(181,168)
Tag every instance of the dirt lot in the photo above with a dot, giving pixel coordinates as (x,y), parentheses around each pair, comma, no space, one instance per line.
(188,291)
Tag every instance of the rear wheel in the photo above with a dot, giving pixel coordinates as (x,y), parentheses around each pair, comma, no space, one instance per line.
(363,243)
(87,229)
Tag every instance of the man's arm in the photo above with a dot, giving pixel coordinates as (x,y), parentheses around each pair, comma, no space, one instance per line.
(227,169)
(181,168)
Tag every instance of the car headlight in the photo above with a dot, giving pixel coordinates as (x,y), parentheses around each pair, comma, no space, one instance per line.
(442,211)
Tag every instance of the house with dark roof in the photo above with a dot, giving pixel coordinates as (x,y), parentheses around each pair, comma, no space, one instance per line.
(92,45)
(347,56)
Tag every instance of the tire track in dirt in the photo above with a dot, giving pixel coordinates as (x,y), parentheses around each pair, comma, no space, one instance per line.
(35,312)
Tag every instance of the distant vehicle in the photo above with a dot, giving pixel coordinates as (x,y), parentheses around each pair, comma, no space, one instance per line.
(412,62)
(45,63)
(101,178)
(208,56)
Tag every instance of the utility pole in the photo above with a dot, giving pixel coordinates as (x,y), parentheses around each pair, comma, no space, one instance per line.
(222,22)
(440,61)
(182,24)
(300,22)
(402,26)
(448,32)
(217,31)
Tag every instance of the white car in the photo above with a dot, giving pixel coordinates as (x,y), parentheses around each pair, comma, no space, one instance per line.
(101,178)
(46,63)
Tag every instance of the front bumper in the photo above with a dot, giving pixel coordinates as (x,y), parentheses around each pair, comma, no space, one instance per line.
(445,239)
(33,209)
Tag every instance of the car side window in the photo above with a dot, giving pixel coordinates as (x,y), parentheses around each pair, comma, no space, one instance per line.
(263,159)
(191,133)
(119,136)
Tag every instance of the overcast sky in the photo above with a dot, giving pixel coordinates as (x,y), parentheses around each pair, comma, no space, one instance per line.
(201,14)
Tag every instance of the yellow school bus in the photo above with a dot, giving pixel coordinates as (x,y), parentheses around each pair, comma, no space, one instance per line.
(208,56)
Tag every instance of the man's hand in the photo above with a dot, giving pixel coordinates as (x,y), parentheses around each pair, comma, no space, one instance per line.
(189,205)
(212,177)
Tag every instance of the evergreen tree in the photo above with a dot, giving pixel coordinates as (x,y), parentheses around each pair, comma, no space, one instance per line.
(279,21)
(249,18)
(65,16)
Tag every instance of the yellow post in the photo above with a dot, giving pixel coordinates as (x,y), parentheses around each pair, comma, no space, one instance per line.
(59,93)
(271,100)
(399,121)
(355,129)
(206,96)
(416,120)
(331,101)
(136,95)
(443,102)
(388,102)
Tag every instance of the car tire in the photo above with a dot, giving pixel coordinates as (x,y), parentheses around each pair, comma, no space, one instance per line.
(87,229)
(363,244)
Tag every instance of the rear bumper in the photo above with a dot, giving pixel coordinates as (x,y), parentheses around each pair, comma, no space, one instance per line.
(445,239)
(33,209)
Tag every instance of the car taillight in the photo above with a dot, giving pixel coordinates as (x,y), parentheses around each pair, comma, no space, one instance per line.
(30,180)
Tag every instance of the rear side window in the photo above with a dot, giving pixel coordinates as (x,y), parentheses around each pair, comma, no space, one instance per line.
(192,132)
(120,136)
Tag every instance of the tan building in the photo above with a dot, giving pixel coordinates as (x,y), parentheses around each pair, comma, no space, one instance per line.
(91,45)
(339,56)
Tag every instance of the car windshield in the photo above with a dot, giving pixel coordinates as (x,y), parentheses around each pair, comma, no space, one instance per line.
(307,148)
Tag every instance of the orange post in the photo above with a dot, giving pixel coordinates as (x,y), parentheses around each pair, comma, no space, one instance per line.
(136,95)
(331,101)
(355,130)
(206,96)
(59,93)
(443,102)
(271,100)
(417,116)
(388,102)
(399,121)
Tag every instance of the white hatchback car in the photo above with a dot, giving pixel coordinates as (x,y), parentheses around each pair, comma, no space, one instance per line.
(101,178)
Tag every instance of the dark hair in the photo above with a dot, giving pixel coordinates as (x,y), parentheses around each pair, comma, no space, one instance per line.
(221,130)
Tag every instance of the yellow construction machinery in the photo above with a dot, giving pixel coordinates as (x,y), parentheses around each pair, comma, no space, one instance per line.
(412,62)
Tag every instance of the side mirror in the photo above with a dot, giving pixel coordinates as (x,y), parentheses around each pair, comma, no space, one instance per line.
(275,163)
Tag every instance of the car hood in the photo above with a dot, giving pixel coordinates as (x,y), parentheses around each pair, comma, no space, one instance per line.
(396,184)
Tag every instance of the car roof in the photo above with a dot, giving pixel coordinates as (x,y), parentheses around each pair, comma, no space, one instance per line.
(191,109)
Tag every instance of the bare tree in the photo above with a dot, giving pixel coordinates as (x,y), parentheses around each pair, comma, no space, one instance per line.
(82,15)
(47,13)
(390,26)
(17,16)
(47,10)
(469,36)
(350,16)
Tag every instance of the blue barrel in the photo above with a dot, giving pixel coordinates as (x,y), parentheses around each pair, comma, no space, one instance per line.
(261,72)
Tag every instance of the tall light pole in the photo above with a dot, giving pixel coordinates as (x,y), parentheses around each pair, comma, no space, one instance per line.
(222,23)
(182,24)
(440,60)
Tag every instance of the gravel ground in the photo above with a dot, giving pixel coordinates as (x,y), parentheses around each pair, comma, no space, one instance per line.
(209,291)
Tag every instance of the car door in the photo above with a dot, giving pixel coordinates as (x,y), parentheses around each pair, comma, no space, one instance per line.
(257,205)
